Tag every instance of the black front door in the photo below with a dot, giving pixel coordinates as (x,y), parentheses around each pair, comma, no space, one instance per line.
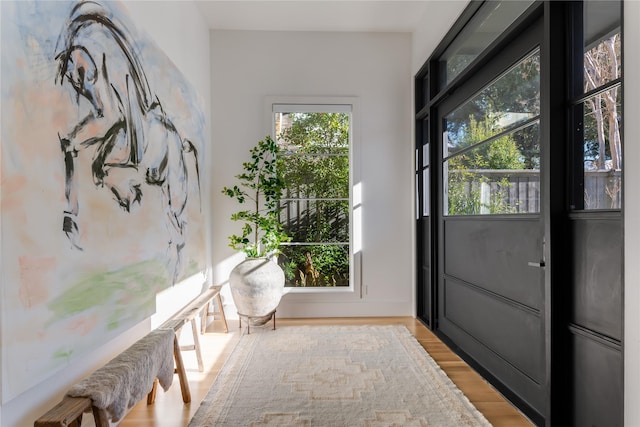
(491,233)
(520,221)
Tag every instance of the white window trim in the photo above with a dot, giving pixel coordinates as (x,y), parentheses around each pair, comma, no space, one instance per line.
(346,104)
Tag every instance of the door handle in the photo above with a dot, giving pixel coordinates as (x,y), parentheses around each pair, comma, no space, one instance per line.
(536,264)
(541,263)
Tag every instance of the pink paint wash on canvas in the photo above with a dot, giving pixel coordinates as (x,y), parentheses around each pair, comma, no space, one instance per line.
(88,238)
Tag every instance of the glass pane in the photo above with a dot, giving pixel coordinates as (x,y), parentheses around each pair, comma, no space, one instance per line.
(602,62)
(313,133)
(315,265)
(603,150)
(497,177)
(317,221)
(315,176)
(602,47)
(425,192)
(417,196)
(490,21)
(510,100)
(315,210)
(425,155)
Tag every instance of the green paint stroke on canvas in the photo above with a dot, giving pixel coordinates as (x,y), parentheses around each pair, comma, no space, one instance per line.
(192,268)
(118,315)
(130,288)
(63,354)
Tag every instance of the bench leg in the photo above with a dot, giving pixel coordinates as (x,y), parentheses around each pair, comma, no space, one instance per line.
(205,314)
(224,318)
(100,417)
(182,374)
(151,397)
(204,317)
(182,377)
(196,344)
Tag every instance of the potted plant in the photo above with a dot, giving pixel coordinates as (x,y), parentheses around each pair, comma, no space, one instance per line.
(257,283)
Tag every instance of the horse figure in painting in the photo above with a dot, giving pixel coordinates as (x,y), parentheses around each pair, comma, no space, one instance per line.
(134,141)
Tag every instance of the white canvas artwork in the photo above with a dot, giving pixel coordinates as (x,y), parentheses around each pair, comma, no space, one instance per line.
(101,148)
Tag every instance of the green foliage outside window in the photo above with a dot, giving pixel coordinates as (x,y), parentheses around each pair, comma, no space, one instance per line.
(314,211)
(466,177)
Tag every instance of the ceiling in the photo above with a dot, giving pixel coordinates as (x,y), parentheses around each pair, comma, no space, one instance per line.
(316,15)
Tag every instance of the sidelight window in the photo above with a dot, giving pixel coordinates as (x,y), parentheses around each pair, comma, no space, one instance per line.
(597,109)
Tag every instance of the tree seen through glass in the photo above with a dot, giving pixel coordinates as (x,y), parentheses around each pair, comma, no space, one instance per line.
(492,146)
(602,121)
(314,210)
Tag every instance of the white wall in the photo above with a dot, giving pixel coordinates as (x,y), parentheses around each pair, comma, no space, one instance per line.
(431,31)
(182,34)
(248,66)
(631,214)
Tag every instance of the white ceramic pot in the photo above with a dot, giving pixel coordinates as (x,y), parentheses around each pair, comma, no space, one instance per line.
(256,286)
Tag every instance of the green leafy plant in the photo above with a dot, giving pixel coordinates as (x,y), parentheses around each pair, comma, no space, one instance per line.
(466,172)
(261,186)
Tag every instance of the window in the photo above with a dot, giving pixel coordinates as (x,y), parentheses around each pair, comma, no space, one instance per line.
(425,172)
(597,109)
(315,144)
(491,146)
(491,20)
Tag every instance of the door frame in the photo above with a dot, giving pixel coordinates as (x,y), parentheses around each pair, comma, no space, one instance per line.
(554,182)
(554,154)
(525,38)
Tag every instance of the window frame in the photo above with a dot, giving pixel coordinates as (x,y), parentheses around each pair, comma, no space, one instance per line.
(577,99)
(273,104)
(493,64)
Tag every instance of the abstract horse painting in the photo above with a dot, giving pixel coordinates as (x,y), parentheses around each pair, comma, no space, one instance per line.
(134,141)
(102,160)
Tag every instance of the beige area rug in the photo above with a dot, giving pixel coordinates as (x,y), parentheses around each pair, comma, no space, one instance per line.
(334,376)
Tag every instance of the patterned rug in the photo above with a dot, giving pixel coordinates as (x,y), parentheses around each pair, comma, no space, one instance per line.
(334,376)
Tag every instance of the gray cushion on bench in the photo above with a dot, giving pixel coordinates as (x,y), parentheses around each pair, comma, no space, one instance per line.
(127,378)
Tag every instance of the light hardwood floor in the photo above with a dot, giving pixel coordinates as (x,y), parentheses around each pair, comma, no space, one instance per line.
(169,410)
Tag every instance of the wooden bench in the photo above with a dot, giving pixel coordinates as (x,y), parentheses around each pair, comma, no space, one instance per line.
(201,303)
(188,314)
(69,412)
